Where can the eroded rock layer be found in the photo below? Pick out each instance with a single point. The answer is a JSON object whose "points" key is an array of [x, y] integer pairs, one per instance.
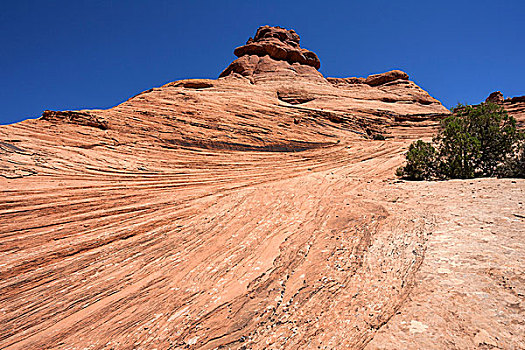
{"points": [[213, 213], [515, 106], [275, 43]]}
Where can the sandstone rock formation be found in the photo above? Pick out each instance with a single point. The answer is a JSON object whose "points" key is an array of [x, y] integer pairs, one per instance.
{"points": [[253, 211], [372, 80], [495, 97], [75, 117], [515, 106], [276, 43], [380, 79]]}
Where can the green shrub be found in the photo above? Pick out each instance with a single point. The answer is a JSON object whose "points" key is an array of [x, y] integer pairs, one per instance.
{"points": [[475, 141], [515, 165], [421, 162]]}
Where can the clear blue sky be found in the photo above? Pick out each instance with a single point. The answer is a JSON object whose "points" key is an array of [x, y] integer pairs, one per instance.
{"points": [[95, 54]]}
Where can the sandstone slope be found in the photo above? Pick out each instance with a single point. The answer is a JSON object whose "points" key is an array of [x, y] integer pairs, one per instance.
{"points": [[241, 212]]}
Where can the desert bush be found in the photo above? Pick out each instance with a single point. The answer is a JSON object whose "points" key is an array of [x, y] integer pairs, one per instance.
{"points": [[515, 165], [421, 162], [475, 141]]}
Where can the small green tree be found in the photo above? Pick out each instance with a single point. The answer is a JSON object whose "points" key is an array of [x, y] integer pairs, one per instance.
{"points": [[458, 150], [421, 162], [515, 165], [475, 141]]}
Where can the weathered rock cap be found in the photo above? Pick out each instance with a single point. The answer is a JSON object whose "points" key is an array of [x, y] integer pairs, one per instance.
{"points": [[372, 80], [383, 78], [495, 97], [498, 98], [192, 83], [280, 44], [516, 99]]}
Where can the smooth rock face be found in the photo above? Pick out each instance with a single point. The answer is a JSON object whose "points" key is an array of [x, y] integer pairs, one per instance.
{"points": [[255, 211]]}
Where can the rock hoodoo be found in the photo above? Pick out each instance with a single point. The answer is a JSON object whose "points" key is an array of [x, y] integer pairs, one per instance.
{"points": [[280, 44], [276, 43], [274, 58]]}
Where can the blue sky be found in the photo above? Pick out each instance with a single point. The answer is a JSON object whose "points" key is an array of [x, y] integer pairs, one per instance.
{"points": [[95, 54]]}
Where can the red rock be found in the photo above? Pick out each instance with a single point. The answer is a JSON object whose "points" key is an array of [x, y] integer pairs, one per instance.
{"points": [[275, 42], [251, 211], [346, 81], [517, 99], [383, 78], [515, 106], [75, 117], [194, 83], [279, 44], [244, 66], [495, 97], [294, 96]]}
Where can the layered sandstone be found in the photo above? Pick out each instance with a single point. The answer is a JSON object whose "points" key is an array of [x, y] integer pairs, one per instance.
{"points": [[276, 43], [515, 106], [250, 211]]}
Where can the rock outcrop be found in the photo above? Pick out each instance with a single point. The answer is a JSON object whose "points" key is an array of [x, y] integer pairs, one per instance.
{"points": [[495, 97], [346, 81], [274, 54], [275, 60], [515, 106], [280, 44], [75, 117], [515, 99], [372, 80], [275, 42], [383, 78]]}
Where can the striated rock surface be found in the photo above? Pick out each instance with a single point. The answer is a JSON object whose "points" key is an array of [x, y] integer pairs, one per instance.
{"points": [[75, 117], [470, 292], [372, 80], [515, 106], [254, 211], [381, 102]]}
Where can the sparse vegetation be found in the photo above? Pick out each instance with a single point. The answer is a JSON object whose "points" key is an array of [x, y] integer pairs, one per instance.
{"points": [[421, 162], [515, 165], [475, 141]]}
